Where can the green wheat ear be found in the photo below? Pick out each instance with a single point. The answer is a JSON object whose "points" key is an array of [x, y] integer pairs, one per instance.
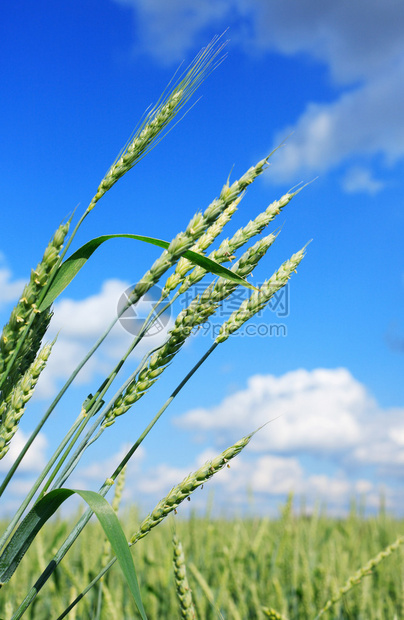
{"points": [[364, 571], [160, 116], [18, 348], [184, 489], [184, 593], [12, 409], [272, 614]]}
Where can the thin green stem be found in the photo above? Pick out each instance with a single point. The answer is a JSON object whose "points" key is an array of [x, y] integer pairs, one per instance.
{"points": [[85, 441], [102, 491], [56, 400], [89, 586], [37, 485], [53, 405], [150, 319]]}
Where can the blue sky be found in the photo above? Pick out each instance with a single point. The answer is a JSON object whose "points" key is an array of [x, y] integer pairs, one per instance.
{"points": [[76, 79]]}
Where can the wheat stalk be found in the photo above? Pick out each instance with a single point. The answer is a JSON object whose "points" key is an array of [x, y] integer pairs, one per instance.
{"points": [[360, 574], [12, 410], [26, 311], [259, 299], [184, 489], [184, 593], [159, 117]]}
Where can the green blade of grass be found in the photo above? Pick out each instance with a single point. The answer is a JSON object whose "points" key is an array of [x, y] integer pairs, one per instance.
{"points": [[44, 509], [70, 268]]}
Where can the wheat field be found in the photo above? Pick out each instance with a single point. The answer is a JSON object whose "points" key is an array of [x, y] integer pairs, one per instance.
{"points": [[236, 568]]}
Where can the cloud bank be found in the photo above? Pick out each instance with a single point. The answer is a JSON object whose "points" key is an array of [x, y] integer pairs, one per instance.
{"points": [[360, 43], [324, 413], [325, 417], [329, 441]]}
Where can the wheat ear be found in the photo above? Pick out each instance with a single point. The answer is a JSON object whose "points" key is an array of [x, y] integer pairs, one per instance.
{"points": [[183, 490], [184, 265], [362, 572], [26, 308], [184, 593], [228, 247], [160, 116], [12, 410], [260, 298]]}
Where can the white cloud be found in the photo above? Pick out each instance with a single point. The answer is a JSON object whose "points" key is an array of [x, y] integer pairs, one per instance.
{"points": [[360, 42], [276, 475], [167, 30], [10, 290], [310, 411], [359, 179], [78, 324], [364, 122], [35, 459], [355, 39], [321, 413]]}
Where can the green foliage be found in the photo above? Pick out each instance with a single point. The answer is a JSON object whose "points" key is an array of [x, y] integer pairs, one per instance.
{"points": [[292, 565], [70, 268]]}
